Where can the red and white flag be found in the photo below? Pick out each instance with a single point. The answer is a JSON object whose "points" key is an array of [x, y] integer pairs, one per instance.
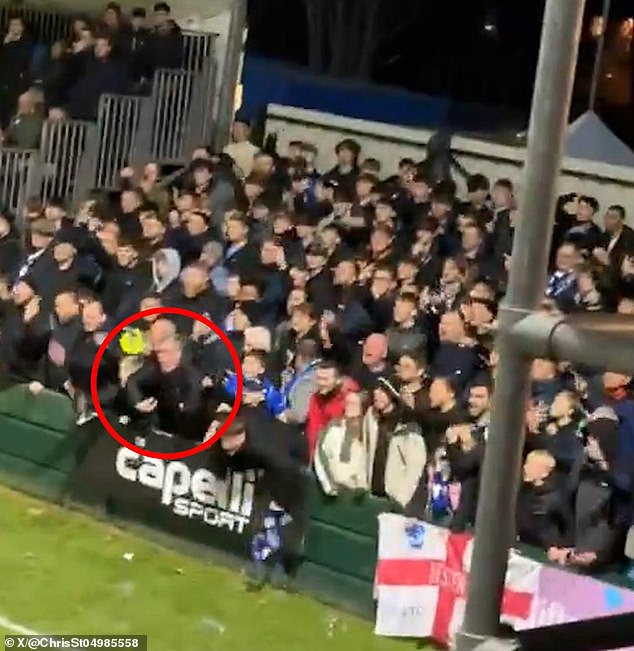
{"points": [[421, 580]]}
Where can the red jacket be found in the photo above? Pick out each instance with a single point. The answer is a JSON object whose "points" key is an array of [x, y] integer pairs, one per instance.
{"points": [[324, 409]]}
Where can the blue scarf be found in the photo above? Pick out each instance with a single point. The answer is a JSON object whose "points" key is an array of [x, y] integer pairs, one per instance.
{"points": [[439, 503], [268, 541], [560, 282]]}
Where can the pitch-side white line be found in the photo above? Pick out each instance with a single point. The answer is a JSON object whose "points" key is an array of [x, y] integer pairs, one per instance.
{"points": [[16, 628]]}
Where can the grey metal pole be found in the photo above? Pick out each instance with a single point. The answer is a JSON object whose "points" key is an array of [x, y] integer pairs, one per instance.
{"points": [[596, 70], [235, 46], [495, 523], [601, 344]]}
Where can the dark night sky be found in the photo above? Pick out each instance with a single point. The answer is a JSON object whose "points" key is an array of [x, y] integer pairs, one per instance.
{"points": [[443, 48]]}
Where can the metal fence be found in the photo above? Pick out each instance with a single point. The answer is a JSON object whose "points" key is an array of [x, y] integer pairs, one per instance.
{"points": [[45, 26], [197, 48], [75, 157], [171, 99], [66, 159], [178, 116], [117, 128], [203, 106], [18, 169]]}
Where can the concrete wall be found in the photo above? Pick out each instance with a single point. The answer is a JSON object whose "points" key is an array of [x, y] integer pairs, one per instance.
{"points": [[388, 143]]}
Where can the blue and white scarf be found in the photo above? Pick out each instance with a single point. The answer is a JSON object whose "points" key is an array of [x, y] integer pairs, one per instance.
{"points": [[560, 282], [268, 541], [439, 503]]}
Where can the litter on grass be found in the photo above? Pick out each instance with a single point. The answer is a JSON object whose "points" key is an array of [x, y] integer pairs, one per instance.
{"points": [[213, 624]]}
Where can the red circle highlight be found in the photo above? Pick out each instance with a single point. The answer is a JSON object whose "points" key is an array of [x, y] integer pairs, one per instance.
{"points": [[168, 456]]}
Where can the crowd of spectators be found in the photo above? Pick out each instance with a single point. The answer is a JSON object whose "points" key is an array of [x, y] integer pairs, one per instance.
{"points": [[362, 303], [117, 54]]}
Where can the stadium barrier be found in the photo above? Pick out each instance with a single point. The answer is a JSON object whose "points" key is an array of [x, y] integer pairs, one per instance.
{"points": [[75, 157], [181, 104], [38, 449], [68, 150], [198, 47], [50, 25], [171, 98], [117, 128], [202, 106], [43, 452], [46, 25], [63, 166], [18, 169]]}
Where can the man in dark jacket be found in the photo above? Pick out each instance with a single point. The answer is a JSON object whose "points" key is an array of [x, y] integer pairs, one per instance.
{"points": [[103, 75], [544, 514], [617, 240], [165, 41], [24, 331], [197, 294], [66, 328], [457, 356], [39, 261], [405, 335], [280, 453], [79, 361], [127, 284], [240, 255], [137, 52], [168, 392], [64, 274], [345, 173], [10, 246], [320, 288], [584, 233], [15, 61]]}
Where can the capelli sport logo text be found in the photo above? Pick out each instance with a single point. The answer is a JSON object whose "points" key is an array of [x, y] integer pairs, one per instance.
{"points": [[198, 495]]}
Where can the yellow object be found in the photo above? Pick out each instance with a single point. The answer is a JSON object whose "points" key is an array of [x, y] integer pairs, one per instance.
{"points": [[132, 342]]}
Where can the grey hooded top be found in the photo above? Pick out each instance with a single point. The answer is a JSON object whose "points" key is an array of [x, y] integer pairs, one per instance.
{"points": [[173, 269]]}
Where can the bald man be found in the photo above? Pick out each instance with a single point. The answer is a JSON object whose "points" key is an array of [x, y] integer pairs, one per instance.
{"points": [[257, 338], [160, 330], [167, 390], [373, 362]]}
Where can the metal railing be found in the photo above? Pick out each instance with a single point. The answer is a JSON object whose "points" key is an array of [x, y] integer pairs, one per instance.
{"points": [[171, 100], [203, 106], [117, 126], [197, 48], [18, 169], [46, 26], [67, 159], [178, 115], [75, 156]]}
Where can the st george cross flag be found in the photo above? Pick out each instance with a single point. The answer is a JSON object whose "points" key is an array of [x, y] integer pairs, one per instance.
{"points": [[421, 580]]}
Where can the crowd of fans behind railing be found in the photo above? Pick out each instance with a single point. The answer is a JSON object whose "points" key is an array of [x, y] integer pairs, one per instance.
{"points": [[362, 303], [117, 54]]}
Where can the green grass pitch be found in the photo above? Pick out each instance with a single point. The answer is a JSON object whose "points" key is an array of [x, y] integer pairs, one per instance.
{"points": [[62, 573]]}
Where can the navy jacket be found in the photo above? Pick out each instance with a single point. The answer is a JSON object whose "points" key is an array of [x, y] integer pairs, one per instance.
{"points": [[100, 77]]}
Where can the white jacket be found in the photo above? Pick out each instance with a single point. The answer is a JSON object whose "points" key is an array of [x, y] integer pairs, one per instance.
{"points": [[340, 460], [406, 458]]}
